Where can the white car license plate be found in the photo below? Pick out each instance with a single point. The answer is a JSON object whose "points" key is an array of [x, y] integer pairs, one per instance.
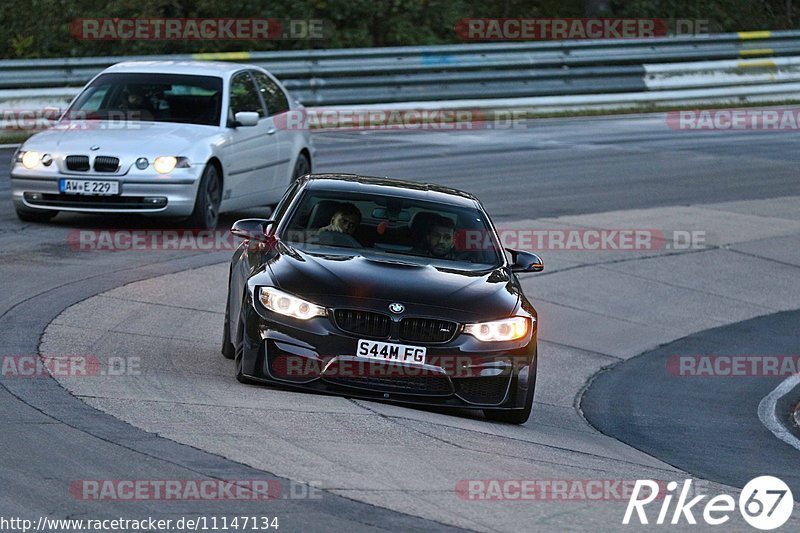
{"points": [[92, 187], [387, 351]]}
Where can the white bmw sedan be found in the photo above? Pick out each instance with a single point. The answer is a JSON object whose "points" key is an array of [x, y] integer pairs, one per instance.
{"points": [[178, 139]]}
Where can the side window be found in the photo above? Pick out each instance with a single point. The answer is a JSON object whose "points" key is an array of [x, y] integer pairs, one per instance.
{"points": [[273, 96], [244, 95]]}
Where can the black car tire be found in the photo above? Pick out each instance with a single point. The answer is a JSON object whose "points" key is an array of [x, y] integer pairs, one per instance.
{"points": [[228, 349], [239, 353], [35, 215], [518, 416], [209, 198]]}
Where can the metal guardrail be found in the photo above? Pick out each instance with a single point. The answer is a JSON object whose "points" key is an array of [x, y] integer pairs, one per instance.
{"points": [[475, 71]]}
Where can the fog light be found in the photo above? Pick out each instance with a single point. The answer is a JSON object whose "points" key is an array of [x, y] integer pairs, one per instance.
{"points": [[155, 200], [33, 196]]}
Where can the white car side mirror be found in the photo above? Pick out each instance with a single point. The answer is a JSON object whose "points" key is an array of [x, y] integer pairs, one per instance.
{"points": [[246, 118]]}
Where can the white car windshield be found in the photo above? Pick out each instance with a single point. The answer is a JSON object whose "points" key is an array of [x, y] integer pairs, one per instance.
{"points": [[150, 97]]}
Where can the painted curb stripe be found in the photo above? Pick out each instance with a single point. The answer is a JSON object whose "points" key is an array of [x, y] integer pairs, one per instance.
{"points": [[768, 417]]}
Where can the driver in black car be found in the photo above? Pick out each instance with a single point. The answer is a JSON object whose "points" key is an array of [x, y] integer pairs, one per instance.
{"points": [[345, 219], [342, 227]]}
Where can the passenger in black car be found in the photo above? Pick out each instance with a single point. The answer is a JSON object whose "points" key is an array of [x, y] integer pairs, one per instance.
{"points": [[439, 239]]}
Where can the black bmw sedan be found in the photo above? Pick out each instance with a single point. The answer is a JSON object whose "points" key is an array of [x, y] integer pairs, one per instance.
{"points": [[387, 290]]}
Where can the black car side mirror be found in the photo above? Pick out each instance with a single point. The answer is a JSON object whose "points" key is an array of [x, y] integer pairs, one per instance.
{"points": [[252, 229], [525, 261]]}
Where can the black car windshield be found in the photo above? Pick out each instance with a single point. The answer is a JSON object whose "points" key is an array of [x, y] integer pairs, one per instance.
{"points": [[132, 97], [392, 228]]}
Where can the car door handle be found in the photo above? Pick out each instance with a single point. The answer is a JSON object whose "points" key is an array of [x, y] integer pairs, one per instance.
{"points": [[271, 131]]}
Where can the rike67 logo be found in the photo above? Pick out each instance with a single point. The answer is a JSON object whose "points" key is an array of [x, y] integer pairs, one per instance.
{"points": [[765, 503]]}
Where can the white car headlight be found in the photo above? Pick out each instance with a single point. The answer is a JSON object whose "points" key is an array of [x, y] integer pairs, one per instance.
{"points": [[286, 304], [508, 329], [29, 159], [167, 163]]}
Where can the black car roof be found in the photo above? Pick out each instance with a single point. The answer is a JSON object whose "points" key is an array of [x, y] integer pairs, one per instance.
{"points": [[389, 186]]}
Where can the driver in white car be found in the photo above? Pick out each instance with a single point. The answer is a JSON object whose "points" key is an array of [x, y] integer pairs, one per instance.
{"points": [[135, 105]]}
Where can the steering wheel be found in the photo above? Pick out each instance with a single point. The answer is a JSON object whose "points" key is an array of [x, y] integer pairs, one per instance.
{"points": [[336, 238]]}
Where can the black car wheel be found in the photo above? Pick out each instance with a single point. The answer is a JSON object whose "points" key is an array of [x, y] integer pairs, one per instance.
{"points": [[35, 215], [209, 197], [239, 351], [228, 349], [518, 416]]}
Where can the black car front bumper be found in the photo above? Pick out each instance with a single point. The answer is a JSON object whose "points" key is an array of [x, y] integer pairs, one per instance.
{"points": [[317, 355]]}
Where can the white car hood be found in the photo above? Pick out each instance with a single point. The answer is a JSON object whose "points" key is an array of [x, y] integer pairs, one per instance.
{"points": [[133, 139]]}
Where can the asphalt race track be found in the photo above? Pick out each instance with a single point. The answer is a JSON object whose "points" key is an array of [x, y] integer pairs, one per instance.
{"points": [[373, 466], [677, 408]]}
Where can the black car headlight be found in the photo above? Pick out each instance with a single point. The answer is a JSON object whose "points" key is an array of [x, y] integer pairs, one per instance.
{"points": [[507, 329], [286, 304]]}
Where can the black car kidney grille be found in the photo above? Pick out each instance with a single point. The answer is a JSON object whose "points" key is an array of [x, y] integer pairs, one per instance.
{"points": [[79, 163], [427, 330], [364, 323], [104, 163]]}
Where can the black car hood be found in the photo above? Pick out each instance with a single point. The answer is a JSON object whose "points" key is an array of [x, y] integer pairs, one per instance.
{"points": [[344, 280]]}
